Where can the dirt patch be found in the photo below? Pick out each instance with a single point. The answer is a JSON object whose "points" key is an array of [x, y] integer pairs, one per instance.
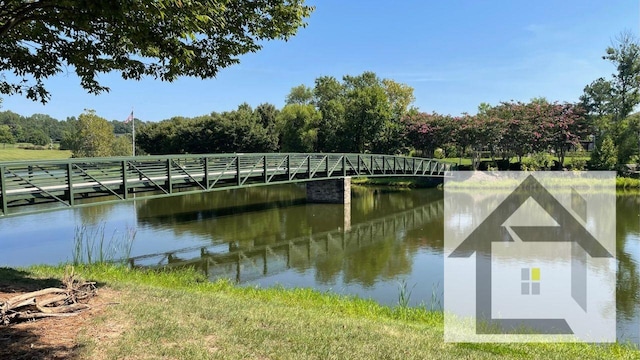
{"points": [[51, 338]]}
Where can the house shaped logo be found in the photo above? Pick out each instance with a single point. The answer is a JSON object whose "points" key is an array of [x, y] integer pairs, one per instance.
{"points": [[569, 229]]}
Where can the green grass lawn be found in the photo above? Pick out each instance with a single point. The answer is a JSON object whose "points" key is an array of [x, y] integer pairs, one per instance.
{"points": [[17, 154], [181, 315], [467, 161], [400, 182]]}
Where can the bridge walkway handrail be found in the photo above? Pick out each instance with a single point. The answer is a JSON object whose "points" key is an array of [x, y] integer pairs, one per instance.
{"points": [[68, 182]]}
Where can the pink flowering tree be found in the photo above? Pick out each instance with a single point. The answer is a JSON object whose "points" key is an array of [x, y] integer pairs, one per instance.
{"points": [[564, 127], [426, 132]]}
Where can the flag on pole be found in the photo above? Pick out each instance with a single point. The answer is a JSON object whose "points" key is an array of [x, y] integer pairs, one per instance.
{"points": [[130, 118], [133, 132]]}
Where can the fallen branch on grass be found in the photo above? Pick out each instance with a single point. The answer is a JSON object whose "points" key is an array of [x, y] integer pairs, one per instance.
{"points": [[50, 302]]}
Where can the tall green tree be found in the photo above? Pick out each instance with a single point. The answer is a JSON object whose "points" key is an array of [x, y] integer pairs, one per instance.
{"points": [[329, 98], [598, 98], [605, 156], [51, 127], [610, 102], [300, 94], [367, 110], [392, 137], [268, 113], [93, 136], [167, 136], [122, 146], [400, 97], [15, 123], [361, 113], [164, 39], [298, 124], [37, 137], [6, 137], [246, 127], [624, 53]]}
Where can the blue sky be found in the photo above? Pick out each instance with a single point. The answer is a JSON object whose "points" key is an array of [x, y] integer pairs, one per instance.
{"points": [[454, 53]]}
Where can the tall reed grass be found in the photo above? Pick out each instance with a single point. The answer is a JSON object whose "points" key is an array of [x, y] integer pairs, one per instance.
{"points": [[91, 245]]}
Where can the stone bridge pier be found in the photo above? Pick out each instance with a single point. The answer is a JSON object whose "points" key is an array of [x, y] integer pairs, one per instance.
{"points": [[333, 191]]}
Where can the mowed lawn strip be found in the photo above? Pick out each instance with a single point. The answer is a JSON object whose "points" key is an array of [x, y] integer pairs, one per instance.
{"points": [[181, 315], [16, 154]]}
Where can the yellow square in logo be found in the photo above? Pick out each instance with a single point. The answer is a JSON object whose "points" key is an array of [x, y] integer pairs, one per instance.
{"points": [[535, 274]]}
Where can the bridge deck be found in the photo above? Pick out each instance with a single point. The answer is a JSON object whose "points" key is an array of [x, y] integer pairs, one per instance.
{"points": [[27, 187]]}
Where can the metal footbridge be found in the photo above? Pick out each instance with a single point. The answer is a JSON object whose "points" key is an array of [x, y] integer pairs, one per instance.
{"points": [[36, 186]]}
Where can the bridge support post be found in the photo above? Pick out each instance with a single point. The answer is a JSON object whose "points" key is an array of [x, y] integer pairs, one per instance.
{"points": [[333, 191]]}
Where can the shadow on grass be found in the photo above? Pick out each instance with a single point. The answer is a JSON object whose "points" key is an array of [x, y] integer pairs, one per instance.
{"points": [[23, 340], [12, 280], [494, 349]]}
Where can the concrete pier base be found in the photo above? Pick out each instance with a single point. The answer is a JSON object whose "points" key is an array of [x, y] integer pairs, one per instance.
{"points": [[334, 191]]}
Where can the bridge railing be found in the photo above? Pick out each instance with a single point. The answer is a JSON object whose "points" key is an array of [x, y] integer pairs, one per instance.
{"points": [[67, 183]]}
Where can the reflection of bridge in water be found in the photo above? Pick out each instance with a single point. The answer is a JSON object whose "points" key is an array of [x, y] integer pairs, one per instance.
{"points": [[227, 260]]}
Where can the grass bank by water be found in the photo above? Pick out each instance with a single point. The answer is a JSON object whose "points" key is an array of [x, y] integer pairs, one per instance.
{"points": [[181, 315], [399, 182], [622, 183], [625, 183], [468, 161]]}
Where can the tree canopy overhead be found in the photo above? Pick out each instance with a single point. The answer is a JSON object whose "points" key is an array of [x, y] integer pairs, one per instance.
{"points": [[164, 39]]}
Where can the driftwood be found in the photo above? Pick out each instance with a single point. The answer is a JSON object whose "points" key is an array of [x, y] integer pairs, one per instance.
{"points": [[50, 302]]}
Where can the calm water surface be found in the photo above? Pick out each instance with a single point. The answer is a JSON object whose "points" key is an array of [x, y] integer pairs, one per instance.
{"points": [[269, 235]]}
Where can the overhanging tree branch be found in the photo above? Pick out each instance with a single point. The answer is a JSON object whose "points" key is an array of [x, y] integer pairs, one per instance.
{"points": [[160, 38]]}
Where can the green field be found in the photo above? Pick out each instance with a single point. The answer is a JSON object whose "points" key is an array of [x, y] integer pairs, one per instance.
{"points": [[13, 153], [171, 315], [467, 161]]}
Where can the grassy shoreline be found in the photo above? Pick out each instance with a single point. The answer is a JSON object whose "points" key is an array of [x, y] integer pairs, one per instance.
{"points": [[399, 182], [182, 315], [622, 183]]}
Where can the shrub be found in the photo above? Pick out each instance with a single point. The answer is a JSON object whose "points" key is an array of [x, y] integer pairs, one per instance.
{"points": [[537, 161], [605, 156], [577, 164]]}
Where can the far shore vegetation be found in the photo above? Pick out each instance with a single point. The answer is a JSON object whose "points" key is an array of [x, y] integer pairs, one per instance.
{"points": [[622, 183], [180, 314]]}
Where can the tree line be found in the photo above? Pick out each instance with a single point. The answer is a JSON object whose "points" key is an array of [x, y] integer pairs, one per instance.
{"points": [[43, 130], [37, 129], [366, 114], [363, 114]]}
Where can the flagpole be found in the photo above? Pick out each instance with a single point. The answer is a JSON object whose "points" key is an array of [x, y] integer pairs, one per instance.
{"points": [[133, 135]]}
